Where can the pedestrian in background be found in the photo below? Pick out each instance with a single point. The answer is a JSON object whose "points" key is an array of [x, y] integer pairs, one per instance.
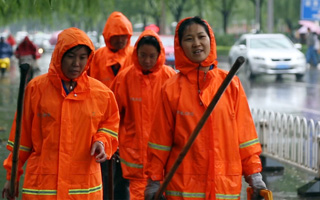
{"points": [[137, 89], [107, 62], [113, 57], [11, 40], [69, 125], [311, 53], [317, 47], [26, 52], [5, 55], [227, 146]]}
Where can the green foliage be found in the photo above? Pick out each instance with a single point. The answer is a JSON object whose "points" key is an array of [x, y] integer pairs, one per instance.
{"points": [[92, 14], [225, 39]]}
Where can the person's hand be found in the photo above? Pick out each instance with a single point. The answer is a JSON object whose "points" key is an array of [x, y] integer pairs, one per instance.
{"points": [[257, 184], [6, 191], [97, 150], [151, 190]]}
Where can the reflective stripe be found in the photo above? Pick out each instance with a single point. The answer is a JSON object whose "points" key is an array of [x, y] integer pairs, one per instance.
{"points": [[227, 196], [85, 191], [110, 132], [39, 192], [159, 147], [131, 164], [21, 147], [249, 143], [185, 194]]}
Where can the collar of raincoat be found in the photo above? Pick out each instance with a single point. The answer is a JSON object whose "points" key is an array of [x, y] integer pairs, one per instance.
{"points": [[182, 62], [67, 39], [117, 24], [162, 55]]}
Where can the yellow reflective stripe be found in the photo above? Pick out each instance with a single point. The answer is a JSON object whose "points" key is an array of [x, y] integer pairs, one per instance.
{"points": [[39, 192], [227, 196], [110, 132], [10, 143], [21, 147], [159, 147], [249, 143], [131, 164], [85, 191], [185, 194]]}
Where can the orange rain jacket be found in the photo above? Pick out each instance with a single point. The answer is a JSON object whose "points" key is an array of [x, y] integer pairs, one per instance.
{"points": [[117, 24], [227, 145], [136, 95], [58, 130]]}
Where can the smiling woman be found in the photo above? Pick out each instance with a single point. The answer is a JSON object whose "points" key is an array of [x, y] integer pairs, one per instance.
{"points": [[225, 148]]}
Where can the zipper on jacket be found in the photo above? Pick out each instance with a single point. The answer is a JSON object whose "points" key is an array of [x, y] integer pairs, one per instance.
{"points": [[199, 90]]}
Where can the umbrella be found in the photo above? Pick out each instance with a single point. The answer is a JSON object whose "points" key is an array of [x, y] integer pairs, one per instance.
{"points": [[54, 38], [309, 24], [153, 27]]}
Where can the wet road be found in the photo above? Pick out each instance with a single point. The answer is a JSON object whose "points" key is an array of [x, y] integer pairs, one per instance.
{"points": [[286, 95]]}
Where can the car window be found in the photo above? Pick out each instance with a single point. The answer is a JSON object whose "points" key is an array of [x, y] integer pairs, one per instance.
{"points": [[270, 43], [243, 42]]}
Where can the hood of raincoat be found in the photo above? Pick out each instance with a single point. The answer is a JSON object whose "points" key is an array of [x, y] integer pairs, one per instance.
{"points": [[27, 42], [67, 39], [162, 55], [182, 62], [117, 24]]}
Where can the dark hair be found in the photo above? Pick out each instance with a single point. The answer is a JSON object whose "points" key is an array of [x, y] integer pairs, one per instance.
{"points": [[188, 22], [76, 48], [149, 40]]}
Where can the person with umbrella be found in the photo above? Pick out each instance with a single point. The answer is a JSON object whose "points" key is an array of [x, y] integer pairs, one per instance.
{"points": [[311, 54]]}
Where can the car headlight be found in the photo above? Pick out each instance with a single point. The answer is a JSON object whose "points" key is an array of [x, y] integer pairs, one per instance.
{"points": [[258, 58], [301, 57]]}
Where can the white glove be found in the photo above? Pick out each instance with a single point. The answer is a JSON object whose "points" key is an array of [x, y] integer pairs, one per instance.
{"points": [[257, 184], [151, 190]]}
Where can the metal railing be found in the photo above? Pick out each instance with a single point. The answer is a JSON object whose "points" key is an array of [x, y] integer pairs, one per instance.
{"points": [[287, 138]]}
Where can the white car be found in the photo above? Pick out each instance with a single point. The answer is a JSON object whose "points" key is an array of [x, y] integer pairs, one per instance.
{"points": [[268, 54]]}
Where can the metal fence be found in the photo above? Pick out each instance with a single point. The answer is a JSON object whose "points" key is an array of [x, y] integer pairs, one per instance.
{"points": [[287, 138]]}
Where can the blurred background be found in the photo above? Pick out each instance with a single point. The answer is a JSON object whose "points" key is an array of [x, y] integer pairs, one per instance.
{"points": [[228, 18]]}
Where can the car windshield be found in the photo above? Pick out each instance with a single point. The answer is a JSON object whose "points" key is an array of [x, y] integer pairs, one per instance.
{"points": [[270, 43]]}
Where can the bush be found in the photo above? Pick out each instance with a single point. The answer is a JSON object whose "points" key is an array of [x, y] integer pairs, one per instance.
{"points": [[224, 43], [226, 39]]}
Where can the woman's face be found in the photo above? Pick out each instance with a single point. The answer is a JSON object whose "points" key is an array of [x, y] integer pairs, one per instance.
{"points": [[74, 62], [195, 43], [147, 56], [119, 41]]}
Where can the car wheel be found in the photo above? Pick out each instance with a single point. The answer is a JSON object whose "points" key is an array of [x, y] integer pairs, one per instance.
{"points": [[299, 77], [248, 71]]}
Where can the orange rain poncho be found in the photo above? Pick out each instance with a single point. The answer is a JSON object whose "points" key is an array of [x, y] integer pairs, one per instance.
{"points": [[117, 24], [136, 95], [227, 146], [58, 130]]}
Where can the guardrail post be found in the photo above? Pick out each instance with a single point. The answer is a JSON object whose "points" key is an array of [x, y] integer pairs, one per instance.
{"points": [[313, 187]]}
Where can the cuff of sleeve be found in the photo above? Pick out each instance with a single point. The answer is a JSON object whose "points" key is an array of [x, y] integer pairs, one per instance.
{"points": [[156, 177]]}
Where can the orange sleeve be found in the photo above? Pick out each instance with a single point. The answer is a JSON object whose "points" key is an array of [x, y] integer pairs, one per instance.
{"points": [[109, 127], [250, 148], [160, 140], [25, 147]]}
